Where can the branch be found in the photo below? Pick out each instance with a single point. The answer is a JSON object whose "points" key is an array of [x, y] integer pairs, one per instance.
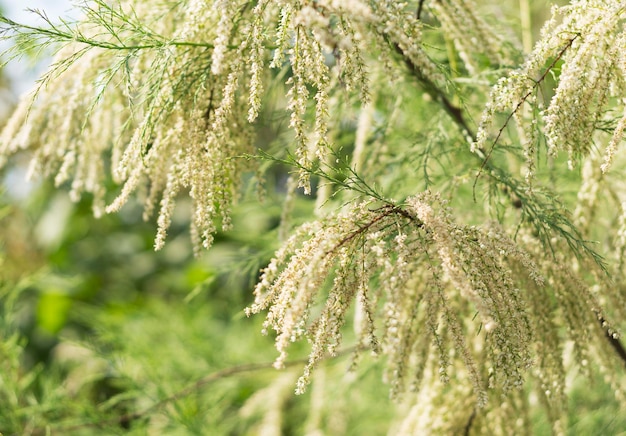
{"points": [[418, 14], [388, 209], [126, 419], [455, 113], [523, 100], [468, 427], [56, 34], [615, 343]]}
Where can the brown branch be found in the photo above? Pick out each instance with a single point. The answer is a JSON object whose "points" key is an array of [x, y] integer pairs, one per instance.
{"points": [[418, 14], [456, 113], [209, 109], [389, 209], [437, 94], [470, 421], [126, 419], [615, 343]]}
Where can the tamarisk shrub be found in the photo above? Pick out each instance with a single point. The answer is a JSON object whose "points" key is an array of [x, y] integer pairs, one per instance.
{"points": [[452, 224]]}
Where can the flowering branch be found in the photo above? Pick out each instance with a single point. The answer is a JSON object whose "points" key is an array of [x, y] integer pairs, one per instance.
{"points": [[67, 34], [171, 99], [523, 100]]}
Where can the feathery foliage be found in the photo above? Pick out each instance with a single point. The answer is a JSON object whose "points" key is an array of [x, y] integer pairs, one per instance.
{"points": [[452, 226]]}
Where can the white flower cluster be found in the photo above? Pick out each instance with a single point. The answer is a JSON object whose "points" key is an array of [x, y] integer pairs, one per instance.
{"points": [[471, 35], [166, 103], [583, 46], [411, 264], [162, 98]]}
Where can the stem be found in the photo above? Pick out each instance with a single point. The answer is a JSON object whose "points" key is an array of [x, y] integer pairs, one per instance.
{"points": [[58, 35], [420, 7], [525, 18], [615, 343], [468, 427], [389, 209], [524, 98]]}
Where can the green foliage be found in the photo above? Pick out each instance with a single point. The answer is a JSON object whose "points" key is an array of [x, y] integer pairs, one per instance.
{"points": [[131, 349]]}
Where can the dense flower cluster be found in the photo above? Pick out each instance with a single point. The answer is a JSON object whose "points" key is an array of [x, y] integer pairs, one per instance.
{"points": [[587, 37], [458, 19], [158, 103], [421, 285]]}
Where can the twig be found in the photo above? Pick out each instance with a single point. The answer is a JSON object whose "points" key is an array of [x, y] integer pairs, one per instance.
{"points": [[470, 421], [418, 14], [615, 343], [389, 209]]}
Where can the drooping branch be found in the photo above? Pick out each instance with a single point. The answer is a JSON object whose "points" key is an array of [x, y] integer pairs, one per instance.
{"points": [[456, 114]]}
